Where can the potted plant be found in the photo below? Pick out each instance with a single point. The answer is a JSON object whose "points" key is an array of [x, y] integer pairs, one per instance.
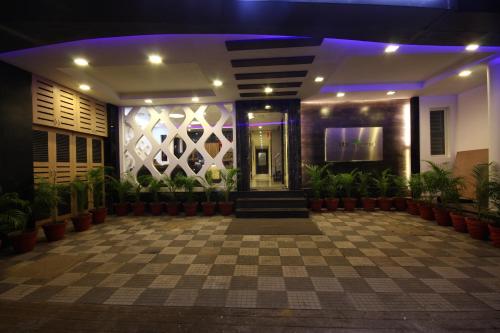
{"points": [[173, 185], [494, 227], [364, 180], [83, 219], [229, 178], [14, 217], [96, 187], [401, 190], [416, 187], [47, 199], [121, 187], [190, 206], [332, 188], [383, 183], [209, 187], [476, 226], [154, 187], [317, 181], [138, 206], [446, 185], [347, 183], [429, 190]]}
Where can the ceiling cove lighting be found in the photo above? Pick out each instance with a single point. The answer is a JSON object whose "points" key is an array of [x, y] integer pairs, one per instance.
{"points": [[148, 101], [82, 62], [217, 83], [195, 99], [268, 90], [155, 59], [340, 94], [84, 87], [465, 73], [391, 93], [319, 79], [472, 47], [391, 48]]}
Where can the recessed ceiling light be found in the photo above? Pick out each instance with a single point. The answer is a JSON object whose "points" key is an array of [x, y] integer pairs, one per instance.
{"points": [[391, 92], [340, 94], [465, 73], [365, 108], [260, 127], [472, 47], [195, 99], [391, 48], [81, 62], [268, 90], [155, 59], [319, 79], [148, 101], [267, 107], [84, 87], [176, 115], [217, 83]]}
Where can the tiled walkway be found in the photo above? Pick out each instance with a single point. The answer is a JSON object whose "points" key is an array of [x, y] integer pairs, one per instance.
{"points": [[363, 262]]}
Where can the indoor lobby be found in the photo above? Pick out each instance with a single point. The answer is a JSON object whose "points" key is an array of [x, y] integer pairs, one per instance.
{"points": [[209, 171]]}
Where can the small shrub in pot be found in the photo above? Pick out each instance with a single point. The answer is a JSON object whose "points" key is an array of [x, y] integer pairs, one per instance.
{"points": [[47, 199], [429, 194], [15, 214], [401, 192], [347, 181], [121, 187], [190, 206], [384, 183], [416, 187], [316, 175], [96, 187], [208, 184], [82, 220], [494, 226], [477, 225], [332, 189], [229, 179], [154, 186], [173, 184], [365, 179]]}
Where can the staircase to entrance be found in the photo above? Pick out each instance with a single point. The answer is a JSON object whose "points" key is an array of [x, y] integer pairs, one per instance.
{"points": [[271, 204]]}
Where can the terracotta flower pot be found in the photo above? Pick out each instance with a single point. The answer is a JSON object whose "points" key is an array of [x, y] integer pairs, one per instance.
{"points": [[369, 204], [332, 204], [426, 211], [190, 208], [82, 222], [99, 215], [458, 222], [226, 208], [208, 208], [316, 204], [121, 209], [442, 216], [385, 204], [412, 207], [349, 204], [494, 235], [54, 231], [156, 208], [173, 208], [25, 241], [139, 208], [400, 204], [477, 228]]}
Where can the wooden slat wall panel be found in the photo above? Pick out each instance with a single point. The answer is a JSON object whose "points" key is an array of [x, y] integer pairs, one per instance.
{"points": [[85, 115], [44, 109], [67, 109], [101, 121]]}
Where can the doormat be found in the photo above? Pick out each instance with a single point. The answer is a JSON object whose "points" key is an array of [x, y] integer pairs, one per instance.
{"points": [[295, 226]]}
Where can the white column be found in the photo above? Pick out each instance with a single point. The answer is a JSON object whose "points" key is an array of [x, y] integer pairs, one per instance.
{"points": [[494, 110]]}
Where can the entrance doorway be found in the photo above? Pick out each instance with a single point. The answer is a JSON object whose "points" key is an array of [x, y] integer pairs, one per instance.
{"points": [[268, 142]]}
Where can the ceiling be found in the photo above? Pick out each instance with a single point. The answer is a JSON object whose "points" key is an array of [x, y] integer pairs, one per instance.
{"points": [[120, 73]]}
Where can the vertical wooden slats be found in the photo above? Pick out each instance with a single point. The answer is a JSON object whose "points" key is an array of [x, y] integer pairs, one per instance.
{"points": [[43, 102], [101, 122]]}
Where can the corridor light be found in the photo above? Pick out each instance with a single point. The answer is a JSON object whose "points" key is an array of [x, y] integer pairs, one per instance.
{"points": [[340, 94], [82, 62], [148, 101], [155, 59], [465, 73], [391, 93], [319, 79], [472, 47], [268, 90], [195, 99], [84, 87], [217, 83], [391, 48]]}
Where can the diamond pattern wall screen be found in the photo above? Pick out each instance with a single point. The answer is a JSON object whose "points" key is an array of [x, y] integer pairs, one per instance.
{"points": [[195, 138]]}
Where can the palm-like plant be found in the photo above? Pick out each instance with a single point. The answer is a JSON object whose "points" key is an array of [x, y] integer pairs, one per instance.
{"points": [[188, 183], [430, 186], [208, 184], [229, 178], [80, 188], [347, 182], [140, 183], [384, 182], [416, 186], [364, 180], [154, 186], [121, 187], [400, 186], [482, 185], [173, 184], [96, 186], [317, 178], [332, 185], [14, 213]]}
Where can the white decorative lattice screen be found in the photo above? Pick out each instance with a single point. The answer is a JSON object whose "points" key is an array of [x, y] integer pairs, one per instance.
{"points": [[162, 140]]}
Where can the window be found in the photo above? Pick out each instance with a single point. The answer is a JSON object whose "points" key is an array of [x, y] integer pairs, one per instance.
{"points": [[438, 132]]}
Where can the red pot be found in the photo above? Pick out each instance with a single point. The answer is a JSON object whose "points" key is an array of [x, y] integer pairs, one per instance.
{"points": [[25, 241], [369, 204], [121, 209], [400, 204], [412, 207], [316, 204], [385, 204], [494, 235], [477, 229], [82, 222], [208, 208], [442, 216], [138, 208], [173, 208], [190, 208], [226, 208], [349, 204], [332, 204], [458, 222], [156, 208], [54, 231], [426, 212], [99, 215]]}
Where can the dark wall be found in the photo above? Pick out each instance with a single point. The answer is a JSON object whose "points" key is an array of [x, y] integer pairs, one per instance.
{"points": [[16, 160], [111, 143], [389, 115]]}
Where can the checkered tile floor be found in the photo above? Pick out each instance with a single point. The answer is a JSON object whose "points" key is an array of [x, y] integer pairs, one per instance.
{"points": [[364, 261]]}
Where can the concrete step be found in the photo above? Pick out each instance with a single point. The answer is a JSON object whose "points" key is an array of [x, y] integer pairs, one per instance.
{"points": [[283, 202], [271, 194], [271, 212]]}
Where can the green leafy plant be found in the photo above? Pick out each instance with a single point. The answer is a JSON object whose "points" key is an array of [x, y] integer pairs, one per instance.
{"points": [[80, 189], [121, 187], [139, 184], [173, 184], [188, 184], [96, 186], [332, 185], [154, 186], [48, 196], [14, 213], [384, 182], [347, 181], [229, 179], [400, 186], [430, 186], [495, 196], [317, 178], [208, 184], [416, 186], [364, 181], [482, 188]]}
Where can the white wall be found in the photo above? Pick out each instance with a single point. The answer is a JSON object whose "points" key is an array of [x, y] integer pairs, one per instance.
{"points": [[472, 120]]}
